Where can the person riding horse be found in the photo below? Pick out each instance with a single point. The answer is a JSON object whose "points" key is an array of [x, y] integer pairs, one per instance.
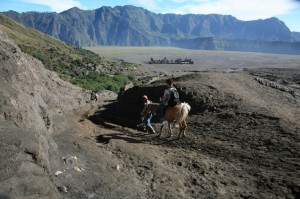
{"points": [[169, 99], [175, 111]]}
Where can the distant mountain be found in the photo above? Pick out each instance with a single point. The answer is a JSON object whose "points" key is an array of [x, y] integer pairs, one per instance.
{"points": [[134, 26], [296, 36], [213, 43]]}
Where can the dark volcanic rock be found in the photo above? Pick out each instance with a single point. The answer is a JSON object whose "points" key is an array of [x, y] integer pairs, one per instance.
{"points": [[235, 120]]}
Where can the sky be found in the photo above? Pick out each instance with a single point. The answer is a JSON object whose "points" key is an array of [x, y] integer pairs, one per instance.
{"points": [[286, 10]]}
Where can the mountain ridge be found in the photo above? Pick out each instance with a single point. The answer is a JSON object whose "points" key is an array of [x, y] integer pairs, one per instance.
{"points": [[136, 26]]}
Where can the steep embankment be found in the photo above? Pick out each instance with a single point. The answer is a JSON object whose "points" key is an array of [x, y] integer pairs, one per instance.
{"points": [[47, 147], [34, 105]]}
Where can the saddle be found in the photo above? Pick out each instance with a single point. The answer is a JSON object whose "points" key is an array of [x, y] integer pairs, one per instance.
{"points": [[164, 110]]}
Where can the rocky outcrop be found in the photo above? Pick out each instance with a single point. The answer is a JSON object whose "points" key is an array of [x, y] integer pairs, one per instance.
{"points": [[34, 103], [277, 86]]}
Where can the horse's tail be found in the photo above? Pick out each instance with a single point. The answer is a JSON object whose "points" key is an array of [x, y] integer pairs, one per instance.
{"points": [[183, 112]]}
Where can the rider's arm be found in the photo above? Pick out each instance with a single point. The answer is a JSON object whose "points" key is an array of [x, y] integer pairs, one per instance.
{"points": [[162, 99], [165, 97]]}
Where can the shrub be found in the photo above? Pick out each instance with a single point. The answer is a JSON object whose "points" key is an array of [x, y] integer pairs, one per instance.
{"points": [[96, 81]]}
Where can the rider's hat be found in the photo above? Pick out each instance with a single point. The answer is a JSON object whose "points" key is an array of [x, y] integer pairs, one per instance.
{"points": [[145, 97]]}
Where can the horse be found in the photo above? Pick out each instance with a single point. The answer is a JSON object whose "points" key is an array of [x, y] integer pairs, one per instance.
{"points": [[176, 113]]}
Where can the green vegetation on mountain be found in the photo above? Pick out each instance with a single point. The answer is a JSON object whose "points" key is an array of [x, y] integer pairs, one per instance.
{"points": [[73, 64], [98, 81]]}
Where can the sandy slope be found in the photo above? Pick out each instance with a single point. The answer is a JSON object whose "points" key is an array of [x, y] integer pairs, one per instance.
{"points": [[242, 142]]}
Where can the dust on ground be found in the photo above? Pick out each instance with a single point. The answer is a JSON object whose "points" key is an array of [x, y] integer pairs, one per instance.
{"points": [[240, 144], [242, 139]]}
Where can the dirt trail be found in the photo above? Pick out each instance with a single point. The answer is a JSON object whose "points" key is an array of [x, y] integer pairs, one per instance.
{"points": [[238, 146], [129, 164]]}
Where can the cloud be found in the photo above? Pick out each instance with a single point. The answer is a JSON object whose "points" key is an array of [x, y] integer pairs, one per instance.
{"points": [[56, 5], [145, 3], [178, 1], [242, 9]]}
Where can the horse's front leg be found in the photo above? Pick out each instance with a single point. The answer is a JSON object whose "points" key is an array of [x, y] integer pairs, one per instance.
{"points": [[170, 129], [182, 128]]}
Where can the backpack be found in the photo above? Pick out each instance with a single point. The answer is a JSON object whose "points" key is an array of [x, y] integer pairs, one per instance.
{"points": [[174, 98]]}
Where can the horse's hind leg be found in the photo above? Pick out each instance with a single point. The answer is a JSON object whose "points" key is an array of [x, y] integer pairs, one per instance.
{"points": [[161, 129], [170, 129]]}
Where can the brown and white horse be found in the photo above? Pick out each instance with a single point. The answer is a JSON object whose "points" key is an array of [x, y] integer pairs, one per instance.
{"points": [[177, 113]]}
